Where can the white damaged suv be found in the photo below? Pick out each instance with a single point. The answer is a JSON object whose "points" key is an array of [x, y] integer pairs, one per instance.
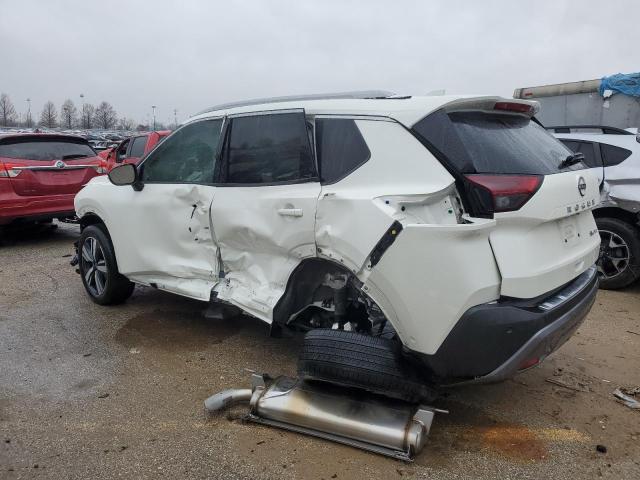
{"points": [[455, 229]]}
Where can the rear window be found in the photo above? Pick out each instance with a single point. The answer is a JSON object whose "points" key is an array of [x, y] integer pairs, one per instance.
{"points": [[613, 155], [478, 142], [340, 147], [45, 149], [585, 148]]}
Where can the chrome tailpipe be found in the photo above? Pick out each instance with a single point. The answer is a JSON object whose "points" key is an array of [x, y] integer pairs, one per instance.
{"points": [[348, 416], [227, 398]]}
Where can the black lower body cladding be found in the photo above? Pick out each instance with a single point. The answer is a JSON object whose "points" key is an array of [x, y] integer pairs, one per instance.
{"points": [[492, 341]]}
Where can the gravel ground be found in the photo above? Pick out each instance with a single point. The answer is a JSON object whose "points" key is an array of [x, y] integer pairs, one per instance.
{"points": [[96, 392]]}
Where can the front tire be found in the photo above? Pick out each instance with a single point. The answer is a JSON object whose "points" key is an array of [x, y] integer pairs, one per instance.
{"points": [[98, 268], [619, 253]]}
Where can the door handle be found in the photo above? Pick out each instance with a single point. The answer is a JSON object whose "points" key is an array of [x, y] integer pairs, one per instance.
{"points": [[290, 212]]}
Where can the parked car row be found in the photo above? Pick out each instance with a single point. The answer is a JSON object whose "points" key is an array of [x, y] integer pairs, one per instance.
{"points": [[132, 149]]}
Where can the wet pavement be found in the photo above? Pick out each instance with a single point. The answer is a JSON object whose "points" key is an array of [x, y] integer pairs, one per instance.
{"points": [[116, 392]]}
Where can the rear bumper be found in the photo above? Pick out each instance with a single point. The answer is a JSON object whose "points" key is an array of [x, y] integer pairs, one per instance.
{"points": [[493, 341], [14, 208]]}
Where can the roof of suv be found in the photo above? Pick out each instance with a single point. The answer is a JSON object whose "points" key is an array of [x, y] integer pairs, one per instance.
{"points": [[406, 110]]}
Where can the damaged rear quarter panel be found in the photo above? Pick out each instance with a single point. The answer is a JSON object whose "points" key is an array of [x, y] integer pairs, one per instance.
{"points": [[354, 213], [430, 276]]}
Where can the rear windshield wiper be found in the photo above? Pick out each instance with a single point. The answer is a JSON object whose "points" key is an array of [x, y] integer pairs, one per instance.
{"points": [[571, 160], [75, 155]]}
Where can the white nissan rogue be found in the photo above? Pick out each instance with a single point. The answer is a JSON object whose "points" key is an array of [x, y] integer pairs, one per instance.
{"points": [[455, 229]]}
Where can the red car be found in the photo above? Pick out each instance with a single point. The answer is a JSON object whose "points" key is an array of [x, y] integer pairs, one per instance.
{"points": [[40, 175], [133, 149]]}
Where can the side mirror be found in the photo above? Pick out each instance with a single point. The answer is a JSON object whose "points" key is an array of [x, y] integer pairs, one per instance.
{"points": [[123, 175]]}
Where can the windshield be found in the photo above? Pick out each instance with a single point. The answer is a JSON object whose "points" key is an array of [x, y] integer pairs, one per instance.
{"points": [[479, 142], [45, 149]]}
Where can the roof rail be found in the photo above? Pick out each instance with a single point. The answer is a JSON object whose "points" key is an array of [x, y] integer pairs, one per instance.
{"points": [[603, 128], [293, 98]]}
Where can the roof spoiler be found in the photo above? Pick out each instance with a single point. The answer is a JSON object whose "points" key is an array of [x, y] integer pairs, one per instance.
{"points": [[494, 104]]}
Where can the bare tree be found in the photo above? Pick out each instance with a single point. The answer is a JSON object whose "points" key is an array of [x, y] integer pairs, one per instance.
{"points": [[69, 114], [49, 115], [88, 113], [7, 111], [105, 116], [126, 124]]}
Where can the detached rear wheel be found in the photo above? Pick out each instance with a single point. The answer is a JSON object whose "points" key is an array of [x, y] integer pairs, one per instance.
{"points": [[98, 269], [356, 360], [619, 253]]}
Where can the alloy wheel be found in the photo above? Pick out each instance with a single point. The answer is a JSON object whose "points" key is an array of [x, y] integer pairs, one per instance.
{"points": [[94, 266], [613, 258]]}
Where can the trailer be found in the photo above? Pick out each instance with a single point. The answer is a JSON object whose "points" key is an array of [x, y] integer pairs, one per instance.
{"points": [[612, 101]]}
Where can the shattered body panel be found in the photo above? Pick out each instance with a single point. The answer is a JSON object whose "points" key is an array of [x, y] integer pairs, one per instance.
{"points": [[263, 233]]}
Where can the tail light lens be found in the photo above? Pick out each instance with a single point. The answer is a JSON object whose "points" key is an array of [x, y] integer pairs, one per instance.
{"points": [[502, 193], [6, 171]]}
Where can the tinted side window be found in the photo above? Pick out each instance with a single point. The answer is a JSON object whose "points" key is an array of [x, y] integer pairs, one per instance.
{"points": [[268, 148], [585, 148], [340, 148], [188, 156], [613, 155], [137, 148]]}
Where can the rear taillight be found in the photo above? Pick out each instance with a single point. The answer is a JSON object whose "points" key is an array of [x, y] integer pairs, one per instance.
{"points": [[6, 171], [503, 193]]}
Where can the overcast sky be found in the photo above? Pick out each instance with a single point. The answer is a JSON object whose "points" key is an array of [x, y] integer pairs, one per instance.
{"points": [[189, 55]]}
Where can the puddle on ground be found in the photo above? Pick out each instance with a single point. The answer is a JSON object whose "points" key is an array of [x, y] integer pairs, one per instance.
{"points": [[177, 330], [469, 429]]}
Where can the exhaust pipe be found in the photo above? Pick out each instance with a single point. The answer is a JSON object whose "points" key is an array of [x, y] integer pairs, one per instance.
{"points": [[347, 416]]}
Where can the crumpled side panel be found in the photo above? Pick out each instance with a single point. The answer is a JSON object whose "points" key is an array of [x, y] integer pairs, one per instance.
{"points": [[622, 186], [401, 182], [261, 242]]}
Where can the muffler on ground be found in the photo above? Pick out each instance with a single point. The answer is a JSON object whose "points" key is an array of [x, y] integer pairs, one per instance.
{"points": [[348, 416]]}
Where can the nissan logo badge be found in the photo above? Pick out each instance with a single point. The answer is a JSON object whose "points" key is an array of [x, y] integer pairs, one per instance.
{"points": [[60, 164], [582, 186]]}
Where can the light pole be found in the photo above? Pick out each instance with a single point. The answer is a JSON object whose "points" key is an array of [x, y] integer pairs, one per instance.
{"points": [[67, 116], [153, 107], [175, 118], [83, 112], [28, 113]]}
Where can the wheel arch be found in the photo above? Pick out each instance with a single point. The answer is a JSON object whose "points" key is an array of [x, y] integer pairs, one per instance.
{"points": [[617, 213], [301, 284], [91, 218]]}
